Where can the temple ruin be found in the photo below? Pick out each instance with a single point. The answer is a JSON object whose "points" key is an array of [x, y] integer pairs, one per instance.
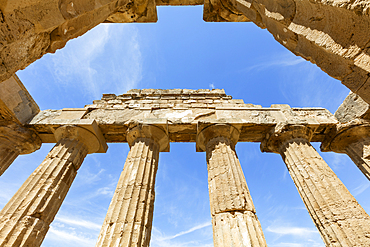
{"points": [[334, 35], [148, 120]]}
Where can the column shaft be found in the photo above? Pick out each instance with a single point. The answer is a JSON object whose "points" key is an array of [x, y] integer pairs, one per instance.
{"points": [[335, 212], [233, 214], [129, 218], [25, 219], [7, 157], [357, 152]]}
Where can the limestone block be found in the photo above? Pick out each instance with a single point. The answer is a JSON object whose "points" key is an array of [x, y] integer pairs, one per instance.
{"points": [[352, 107], [15, 101]]}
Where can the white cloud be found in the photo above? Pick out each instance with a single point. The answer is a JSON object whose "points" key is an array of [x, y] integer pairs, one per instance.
{"points": [[297, 231], [107, 59], [78, 222], [361, 188], [160, 240], [200, 226], [211, 86], [279, 61], [69, 237]]}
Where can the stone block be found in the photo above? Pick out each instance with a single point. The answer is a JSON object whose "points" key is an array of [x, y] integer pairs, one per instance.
{"points": [[237, 101], [15, 102], [108, 96], [72, 113], [147, 91], [114, 101], [352, 107], [190, 101]]}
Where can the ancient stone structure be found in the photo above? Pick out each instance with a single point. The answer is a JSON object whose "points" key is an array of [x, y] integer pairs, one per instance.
{"points": [[148, 120], [332, 34]]}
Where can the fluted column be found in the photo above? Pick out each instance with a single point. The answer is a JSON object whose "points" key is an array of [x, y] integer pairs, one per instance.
{"points": [[25, 219], [234, 218], [337, 215], [129, 218], [15, 140], [353, 139]]}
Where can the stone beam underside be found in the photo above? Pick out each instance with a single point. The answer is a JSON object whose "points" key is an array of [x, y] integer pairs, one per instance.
{"points": [[182, 121]]}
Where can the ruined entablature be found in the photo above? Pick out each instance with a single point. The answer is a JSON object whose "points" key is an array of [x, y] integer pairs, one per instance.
{"points": [[181, 112]]}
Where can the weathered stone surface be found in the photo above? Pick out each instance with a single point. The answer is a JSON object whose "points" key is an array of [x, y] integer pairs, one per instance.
{"points": [[222, 11], [32, 28], [318, 32], [331, 34], [15, 140], [233, 214], [16, 104], [181, 115], [25, 219], [352, 107], [335, 212], [148, 120], [353, 139], [130, 214]]}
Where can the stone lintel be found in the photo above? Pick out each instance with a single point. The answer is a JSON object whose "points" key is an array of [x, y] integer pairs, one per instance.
{"points": [[181, 124], [72, 113], [345, 134], [283, 133], [158, 134], [222, 11], [16, 103], [135, 11], [208, 131], [88, 126]]}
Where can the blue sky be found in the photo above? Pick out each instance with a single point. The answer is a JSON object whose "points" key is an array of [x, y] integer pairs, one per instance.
{"points": [[181, 51]]}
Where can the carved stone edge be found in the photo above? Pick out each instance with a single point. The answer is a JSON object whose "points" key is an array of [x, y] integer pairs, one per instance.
{"points": [[208, 131], [343, 135], [283, 133], [89, 134], [142, 130]]}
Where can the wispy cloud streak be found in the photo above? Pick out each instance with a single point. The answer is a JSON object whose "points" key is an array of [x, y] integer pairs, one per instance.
{"points": [[106, 59], [187, 231], [361, 188], [281, 61], [298, 231], [78, 222]]}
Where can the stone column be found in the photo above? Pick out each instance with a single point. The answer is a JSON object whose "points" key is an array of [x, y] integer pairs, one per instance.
{"points": [[129, 218], [234, 217], [15, 140], [25, 219], [352, 139], [337, 215]]}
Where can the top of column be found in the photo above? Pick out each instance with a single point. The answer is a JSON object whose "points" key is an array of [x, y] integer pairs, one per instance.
{"points": [[149, 131], [209, 132], [282, 134], [89, 135]]}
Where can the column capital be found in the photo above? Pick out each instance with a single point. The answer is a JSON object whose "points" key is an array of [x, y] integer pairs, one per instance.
{"points": [[13, 135], [149, 131], [91, 138], [345, 134], [209, 132], [283, 133]]}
